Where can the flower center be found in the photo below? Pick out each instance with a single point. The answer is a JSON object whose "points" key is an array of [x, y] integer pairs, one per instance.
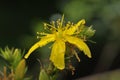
{"points": [[59, 34]]}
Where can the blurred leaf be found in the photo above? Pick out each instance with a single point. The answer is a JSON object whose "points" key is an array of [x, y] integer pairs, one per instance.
{"points": [[77, 9], [12, 56], [43, 75], [20, 70]]}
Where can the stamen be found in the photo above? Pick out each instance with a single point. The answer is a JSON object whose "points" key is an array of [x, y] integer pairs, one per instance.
{"points": [[68, 25], [76, 55], [53, 23], [45, 26], [72, 24], [50, 26], [61, 23], [84, 38], [58, 23], [38, 37], [38, 33], [69, 22], [42, 33]]}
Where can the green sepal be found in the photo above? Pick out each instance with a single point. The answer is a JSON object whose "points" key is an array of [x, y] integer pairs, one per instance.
{"points": [[87, 32]]}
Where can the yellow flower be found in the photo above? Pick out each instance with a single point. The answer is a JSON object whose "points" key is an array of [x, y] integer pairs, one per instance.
{"points": [[60, 34]]}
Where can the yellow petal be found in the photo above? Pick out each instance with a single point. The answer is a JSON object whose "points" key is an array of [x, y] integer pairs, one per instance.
{"points": [[72, 29], [57, 54], [46, 39], [80, 44]]}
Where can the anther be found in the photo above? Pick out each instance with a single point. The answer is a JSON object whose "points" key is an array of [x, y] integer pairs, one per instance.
{"points": [[38, 32], [68, 22], [44, 24], [38, 37], [53, 23]]}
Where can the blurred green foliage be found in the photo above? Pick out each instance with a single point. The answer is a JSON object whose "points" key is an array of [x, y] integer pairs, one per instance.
{"points": [[12, 56], [102, 14], [12, 66]]}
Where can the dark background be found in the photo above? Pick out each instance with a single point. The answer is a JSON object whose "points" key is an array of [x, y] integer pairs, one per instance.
{"points": [[16, 17]]}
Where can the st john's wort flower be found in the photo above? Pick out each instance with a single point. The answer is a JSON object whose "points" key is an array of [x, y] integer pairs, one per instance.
{"points": [[61, 34]]}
